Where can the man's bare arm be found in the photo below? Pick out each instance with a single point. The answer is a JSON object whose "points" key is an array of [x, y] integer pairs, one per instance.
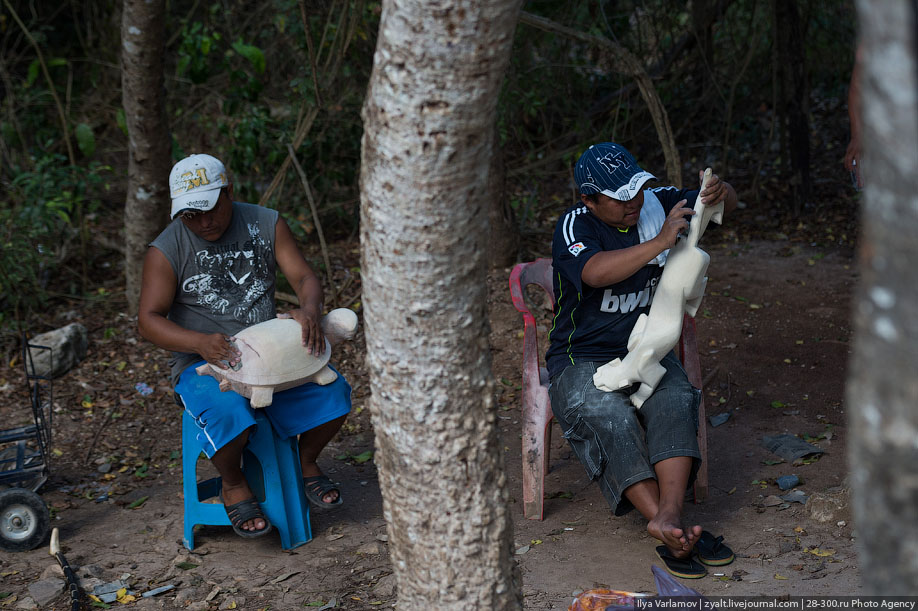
{"points": [[156, 296], [612, 266], [305, 284]]}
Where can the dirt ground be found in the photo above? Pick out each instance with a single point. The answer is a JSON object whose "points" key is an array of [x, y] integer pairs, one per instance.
{"points": [[774, 342]]}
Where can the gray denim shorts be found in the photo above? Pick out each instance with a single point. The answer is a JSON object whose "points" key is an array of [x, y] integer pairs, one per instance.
{"points": [[617, 443]]}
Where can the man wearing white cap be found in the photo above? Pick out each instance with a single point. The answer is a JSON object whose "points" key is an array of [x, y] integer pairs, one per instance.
{"points": [[608, 253], [208, 275]]}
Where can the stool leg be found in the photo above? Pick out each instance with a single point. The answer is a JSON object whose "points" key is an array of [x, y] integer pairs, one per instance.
{"points": [[189, 479], [296, 506], [194, 492], [272, 470], [284, 501]]}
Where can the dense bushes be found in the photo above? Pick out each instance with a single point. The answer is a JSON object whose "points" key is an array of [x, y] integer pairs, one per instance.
{"points": [[245, 79]]}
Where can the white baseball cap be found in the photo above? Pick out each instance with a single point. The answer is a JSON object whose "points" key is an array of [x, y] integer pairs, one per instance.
{"points": [[195, 183]]}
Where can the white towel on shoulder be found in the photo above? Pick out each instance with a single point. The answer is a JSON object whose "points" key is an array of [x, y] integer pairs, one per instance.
{"points": [[651, 222]]}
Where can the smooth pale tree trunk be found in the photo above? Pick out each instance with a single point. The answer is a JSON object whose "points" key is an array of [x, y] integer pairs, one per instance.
{"points": [[883, 385], [143, 96], [427, 144]]}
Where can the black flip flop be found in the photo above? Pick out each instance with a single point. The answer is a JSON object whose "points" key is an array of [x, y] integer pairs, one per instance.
{"points": [[686, 568], [243, 511], [712, 551], [316, 487]]}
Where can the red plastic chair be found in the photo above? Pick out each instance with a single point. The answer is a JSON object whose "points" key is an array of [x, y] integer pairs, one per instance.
{"points": [[537, 415]]}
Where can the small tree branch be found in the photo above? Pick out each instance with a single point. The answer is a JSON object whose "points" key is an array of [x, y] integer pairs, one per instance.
{"points": [[286, 297], [336, 52], [47, 75], [312, 53], [315, 219], [301, 131], [753, 35], [624, 62]]}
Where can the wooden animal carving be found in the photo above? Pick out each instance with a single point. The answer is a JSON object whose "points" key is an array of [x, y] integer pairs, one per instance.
{"points": [[274, 359], [680, 289]]}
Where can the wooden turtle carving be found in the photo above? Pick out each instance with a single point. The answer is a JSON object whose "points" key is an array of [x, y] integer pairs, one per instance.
{"points": [[274, 359]]}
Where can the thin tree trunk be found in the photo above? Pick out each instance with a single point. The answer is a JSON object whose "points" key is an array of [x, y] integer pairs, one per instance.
{"points": [[794, 99], [702, 24], [882, 387], [427, 146], [504, 234], [147, 207]]}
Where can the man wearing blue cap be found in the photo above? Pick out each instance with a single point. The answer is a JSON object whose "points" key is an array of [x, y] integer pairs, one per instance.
{"points": [[608, 253]]}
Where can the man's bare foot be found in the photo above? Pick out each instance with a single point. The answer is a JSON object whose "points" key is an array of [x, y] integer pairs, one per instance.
{"points": [[667, 527], [691, 534], [236, 494]]}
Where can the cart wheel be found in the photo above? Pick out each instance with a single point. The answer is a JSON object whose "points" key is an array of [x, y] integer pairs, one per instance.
{"points": [[24, 520]]}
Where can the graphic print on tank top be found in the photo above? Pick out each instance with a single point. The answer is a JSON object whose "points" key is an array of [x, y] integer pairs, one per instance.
{"points": [[232, 281]]}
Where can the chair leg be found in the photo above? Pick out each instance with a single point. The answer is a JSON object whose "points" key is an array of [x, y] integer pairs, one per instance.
{"points": [[701, 480], [688, 349], [535, 461]]}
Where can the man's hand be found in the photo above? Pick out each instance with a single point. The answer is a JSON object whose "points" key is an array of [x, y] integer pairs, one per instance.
{"points": [[715, 191], [218, 349], [677, 222], [313, 338], [853, 161], [853, 154]]}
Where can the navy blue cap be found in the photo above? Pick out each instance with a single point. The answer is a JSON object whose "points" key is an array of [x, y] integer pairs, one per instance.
{"points": [[609, 168]]}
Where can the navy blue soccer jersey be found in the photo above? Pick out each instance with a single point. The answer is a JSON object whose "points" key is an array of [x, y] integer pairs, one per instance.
{"points": [[593, 324]]}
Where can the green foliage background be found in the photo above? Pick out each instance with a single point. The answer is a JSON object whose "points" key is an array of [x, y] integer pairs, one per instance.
{"points": [[242, 76]]}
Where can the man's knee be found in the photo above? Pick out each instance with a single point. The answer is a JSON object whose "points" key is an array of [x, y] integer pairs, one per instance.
{"points": [[237, 443], [685, 403]]}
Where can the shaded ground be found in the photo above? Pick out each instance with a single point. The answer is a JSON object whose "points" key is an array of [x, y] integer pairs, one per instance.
{"points": [[774, 342]]}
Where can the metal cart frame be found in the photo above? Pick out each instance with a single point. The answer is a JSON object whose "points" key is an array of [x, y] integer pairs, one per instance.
{"points": [[24, 463]]}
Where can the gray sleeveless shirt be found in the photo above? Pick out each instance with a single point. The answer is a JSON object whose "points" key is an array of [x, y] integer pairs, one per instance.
{"points": [[222, 286]]}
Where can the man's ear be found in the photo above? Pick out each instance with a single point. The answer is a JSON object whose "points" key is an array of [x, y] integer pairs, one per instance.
{"points": [[229, 191], [587, 202]]}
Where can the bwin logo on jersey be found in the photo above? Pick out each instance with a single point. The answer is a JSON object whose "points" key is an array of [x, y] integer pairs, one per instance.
{"points": [[628, 302], [576, 248]]}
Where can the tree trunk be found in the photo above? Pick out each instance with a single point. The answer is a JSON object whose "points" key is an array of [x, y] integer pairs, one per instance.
{"points": [[504, 234], [882, 387], [149, 159], [794, 105], [427, 144], [703, 26]]}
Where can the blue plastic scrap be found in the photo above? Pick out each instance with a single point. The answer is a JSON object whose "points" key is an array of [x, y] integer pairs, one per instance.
{"points": [[786, 482]]}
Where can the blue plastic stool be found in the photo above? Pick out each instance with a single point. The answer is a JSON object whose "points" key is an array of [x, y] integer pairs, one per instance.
{"points": [[272, 469]]}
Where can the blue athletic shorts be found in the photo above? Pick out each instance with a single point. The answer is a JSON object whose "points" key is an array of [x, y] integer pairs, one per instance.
{"points": [[223, 416]]}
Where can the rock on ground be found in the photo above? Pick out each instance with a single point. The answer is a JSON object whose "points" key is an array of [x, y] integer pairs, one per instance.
{"points": [[44, 591], [68, 347]]}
